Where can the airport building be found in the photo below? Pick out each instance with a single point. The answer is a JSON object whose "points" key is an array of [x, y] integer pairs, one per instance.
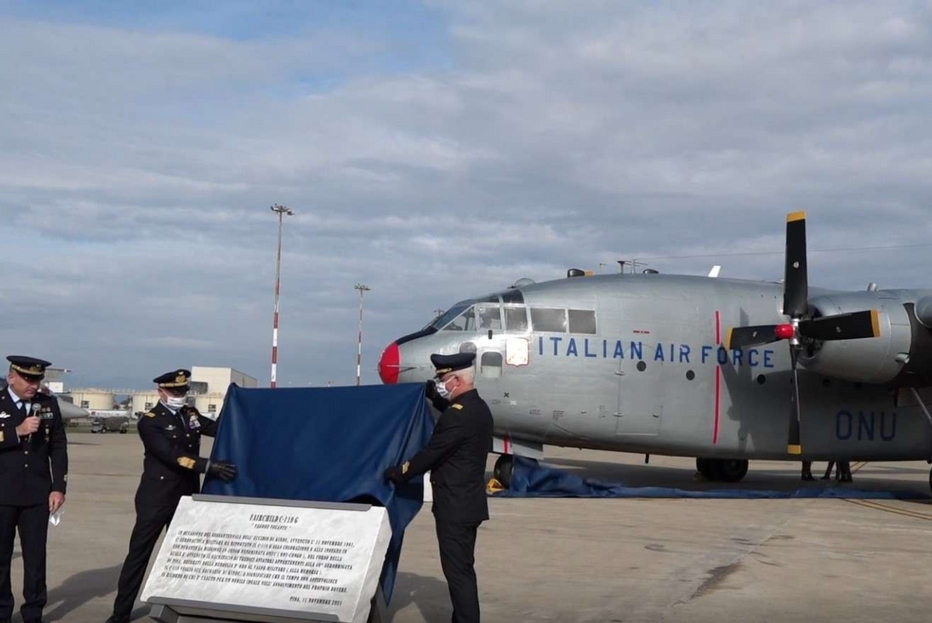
{"points": [[208, 388]]}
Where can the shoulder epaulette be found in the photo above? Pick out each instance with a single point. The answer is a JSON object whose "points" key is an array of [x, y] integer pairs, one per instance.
{"points": [[456, 406], [150, 414]]}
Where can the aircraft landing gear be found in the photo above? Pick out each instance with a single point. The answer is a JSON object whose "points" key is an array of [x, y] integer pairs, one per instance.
{"points": [[723, 470], [504, 469]]}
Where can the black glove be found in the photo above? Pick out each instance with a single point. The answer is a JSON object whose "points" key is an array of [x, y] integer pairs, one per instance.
{"points": [[221, 470], [430, 390], [393, 474]]}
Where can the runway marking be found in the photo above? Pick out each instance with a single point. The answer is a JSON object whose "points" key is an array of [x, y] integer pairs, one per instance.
{"points": [[891, 509], [885, 507]]}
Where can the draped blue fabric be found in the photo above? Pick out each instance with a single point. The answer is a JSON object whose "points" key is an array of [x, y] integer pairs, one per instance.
{"points": [[326, 444], [537, 480]]}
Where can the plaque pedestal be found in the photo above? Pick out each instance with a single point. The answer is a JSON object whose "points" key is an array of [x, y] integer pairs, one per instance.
{"points": [[229, 559], [168, 614]]}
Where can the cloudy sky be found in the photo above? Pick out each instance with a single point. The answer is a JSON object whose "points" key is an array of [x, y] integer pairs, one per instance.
{"points": [[432, 151]]}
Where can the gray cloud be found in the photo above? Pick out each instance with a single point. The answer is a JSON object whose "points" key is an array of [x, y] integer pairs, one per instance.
{"points": [[136, 170]]}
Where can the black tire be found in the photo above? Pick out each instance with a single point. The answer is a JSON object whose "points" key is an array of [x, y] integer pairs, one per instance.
{"points": [[732, 470], [704, 467], [504, 469]]}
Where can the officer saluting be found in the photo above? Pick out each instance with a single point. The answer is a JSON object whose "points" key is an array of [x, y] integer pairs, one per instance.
{"points": [[33, 473], [171, 434], [456, 456]]}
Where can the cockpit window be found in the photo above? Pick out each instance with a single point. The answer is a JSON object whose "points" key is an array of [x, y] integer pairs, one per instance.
{"points": [[466, 321], [445, 318], [490, 316], [516, 319]]}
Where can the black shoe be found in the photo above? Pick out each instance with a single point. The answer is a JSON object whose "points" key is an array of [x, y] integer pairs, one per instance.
{"points": [[39, 620], [116, 619]]}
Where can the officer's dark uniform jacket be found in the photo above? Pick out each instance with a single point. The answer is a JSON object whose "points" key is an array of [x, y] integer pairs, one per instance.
{"points": [[33, 466], [456, 456], [171, 466]]}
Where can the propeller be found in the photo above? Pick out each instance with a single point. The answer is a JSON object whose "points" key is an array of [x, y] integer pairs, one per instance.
{"points": [[802, 328]]}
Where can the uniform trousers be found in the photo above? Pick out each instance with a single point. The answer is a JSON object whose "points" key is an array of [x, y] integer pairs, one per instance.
{"points": [[33, 524], [457, 558], [150, 521]]}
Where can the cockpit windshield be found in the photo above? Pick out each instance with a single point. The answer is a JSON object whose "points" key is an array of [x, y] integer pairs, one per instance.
{"points": [[498, 312], [444, 319]]}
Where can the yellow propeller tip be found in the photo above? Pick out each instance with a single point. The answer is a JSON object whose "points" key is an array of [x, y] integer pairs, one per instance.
{"points": [[794, 449]]}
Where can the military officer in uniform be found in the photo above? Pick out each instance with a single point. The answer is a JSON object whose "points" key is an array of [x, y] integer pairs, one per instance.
{"points": [[171, 434], [33, 475], [456, 456]]}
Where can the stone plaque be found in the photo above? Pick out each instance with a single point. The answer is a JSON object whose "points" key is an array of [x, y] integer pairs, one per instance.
{"points": [[282, 558]]}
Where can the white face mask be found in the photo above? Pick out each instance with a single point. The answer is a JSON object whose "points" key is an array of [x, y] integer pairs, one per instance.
{"points": [[175, 402], [442, 390]]}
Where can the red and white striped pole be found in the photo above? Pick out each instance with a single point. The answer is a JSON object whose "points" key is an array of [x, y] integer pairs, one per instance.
{"points": [[362, 288], [281, 210]]}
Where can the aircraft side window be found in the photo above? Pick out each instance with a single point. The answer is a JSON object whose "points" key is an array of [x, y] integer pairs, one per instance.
{"points": [[516, 319], [582, 321], [491, 364], [464, 322], [549, 320], [490, 317]]}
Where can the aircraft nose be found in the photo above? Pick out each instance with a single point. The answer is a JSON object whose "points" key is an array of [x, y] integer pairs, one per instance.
{"points": [[390, 364]]}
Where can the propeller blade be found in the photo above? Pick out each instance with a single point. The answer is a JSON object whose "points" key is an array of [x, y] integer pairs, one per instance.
{"points": [[739, 337], [793, 444], [796, 276], [853, 326]]}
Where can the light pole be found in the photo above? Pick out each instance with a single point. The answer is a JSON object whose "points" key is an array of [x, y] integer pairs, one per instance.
{"points": [[281, 211], [362, 288]]}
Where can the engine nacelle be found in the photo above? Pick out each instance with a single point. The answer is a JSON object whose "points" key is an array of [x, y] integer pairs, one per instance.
{"points": [[901, 348], [924, 311]]}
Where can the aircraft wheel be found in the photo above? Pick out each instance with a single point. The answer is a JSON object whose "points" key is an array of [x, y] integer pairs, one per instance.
{"points": [[704, 467], [732, 470], [504, 469]]}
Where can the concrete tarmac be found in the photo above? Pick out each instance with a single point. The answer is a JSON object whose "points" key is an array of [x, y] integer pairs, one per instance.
{"points": [[592, 560]]}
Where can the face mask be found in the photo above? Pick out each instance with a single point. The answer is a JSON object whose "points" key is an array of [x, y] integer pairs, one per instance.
{"points": [[175, 402], [442, 390]]}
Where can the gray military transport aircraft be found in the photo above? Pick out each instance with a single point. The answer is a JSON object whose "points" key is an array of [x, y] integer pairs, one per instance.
{"points": [[693, 366], [68, 409]]}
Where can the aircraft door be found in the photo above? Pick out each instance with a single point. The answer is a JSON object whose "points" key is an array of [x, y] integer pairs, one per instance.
{"points": [[640, 387]]}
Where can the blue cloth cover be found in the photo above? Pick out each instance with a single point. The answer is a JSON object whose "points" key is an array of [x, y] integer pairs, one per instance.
{"points": [[535, 480], [327, 445]]}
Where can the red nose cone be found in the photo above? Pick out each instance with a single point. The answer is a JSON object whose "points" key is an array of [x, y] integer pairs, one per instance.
{"points": [[785, 331], [390, 364]]}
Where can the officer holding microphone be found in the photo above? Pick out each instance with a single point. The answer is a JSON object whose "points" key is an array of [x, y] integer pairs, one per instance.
{"points": [[33, 477]]}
